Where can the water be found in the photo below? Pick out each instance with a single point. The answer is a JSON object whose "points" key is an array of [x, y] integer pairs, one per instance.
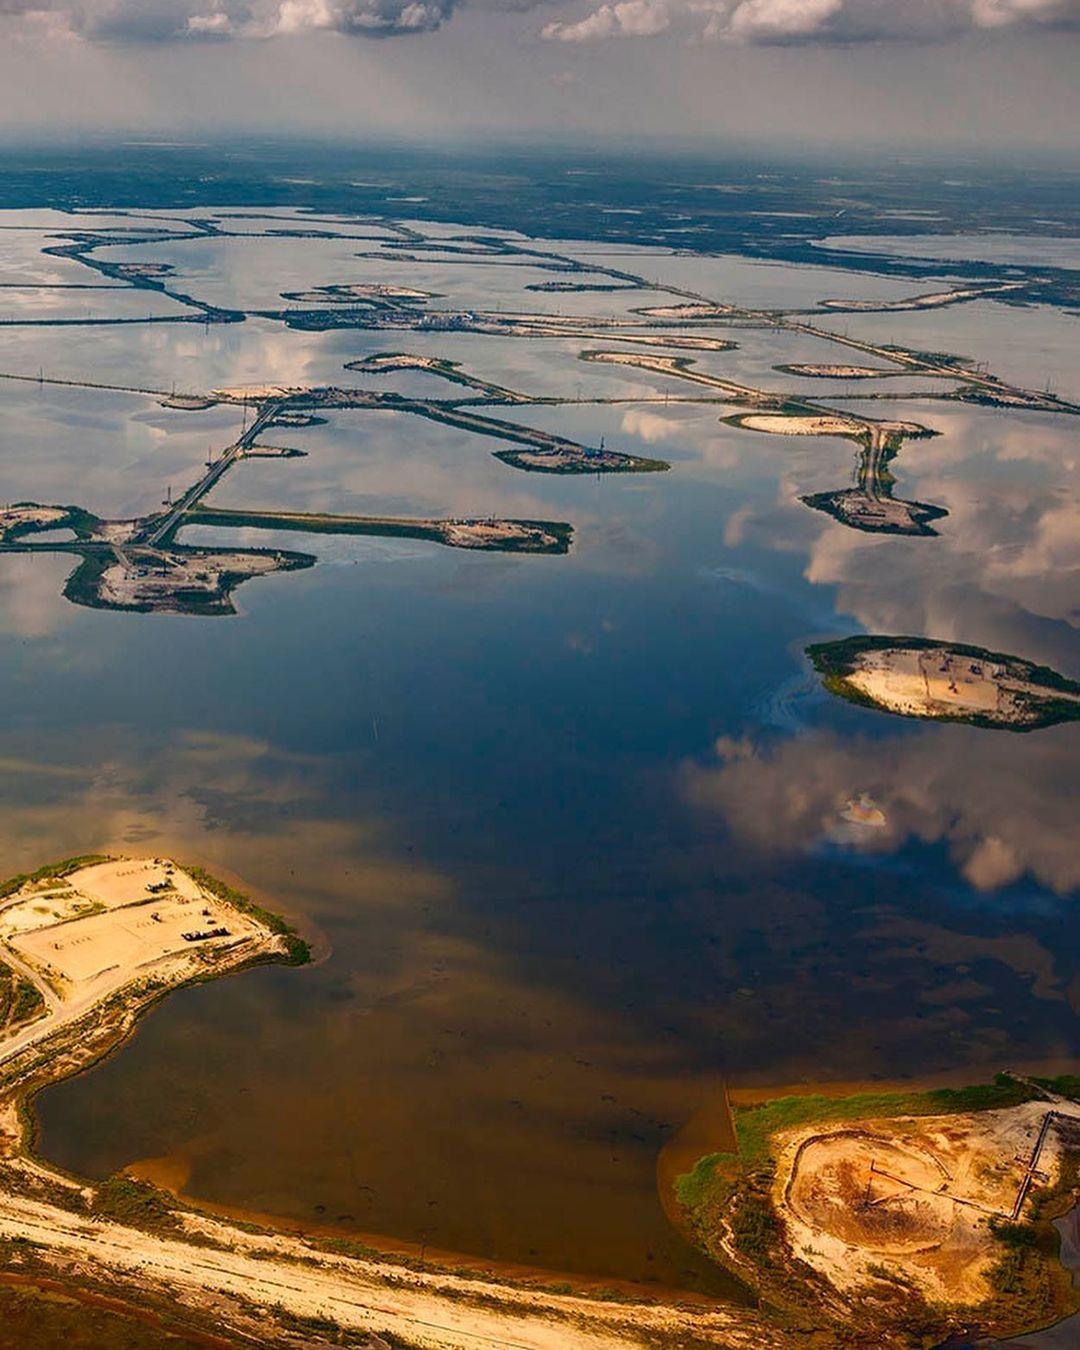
{"points": [[995, 246], [568, 831]]}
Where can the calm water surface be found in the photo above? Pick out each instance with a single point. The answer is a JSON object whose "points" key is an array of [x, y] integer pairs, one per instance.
{"points": [[569, 830]]}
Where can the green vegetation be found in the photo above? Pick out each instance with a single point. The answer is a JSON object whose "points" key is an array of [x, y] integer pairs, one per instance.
{"points": [[977, 393], [867, 373], [298, 951], [1014, 1234], [583, 462], [704, 1184], [595, 287], [1065, 1085], [730, 1193], [1030, 1284], [754, 1227], [41, 1317], [137, 1203], [723, 1190], [385, 362], [27, 1003], [755, 1125], [920, 513], [780, 408], [930, 358], [75, 518], [56, 869], [1006, 1276], [678, 367], [713, 1178], [20, 1000], [835, 661], [350, 1247], [882, 1272], [83, 586], [839, 657], [433, 530], [539, 442]]}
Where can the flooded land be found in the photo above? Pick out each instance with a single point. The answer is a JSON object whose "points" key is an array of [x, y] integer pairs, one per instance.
{"points": [[600, 651]]}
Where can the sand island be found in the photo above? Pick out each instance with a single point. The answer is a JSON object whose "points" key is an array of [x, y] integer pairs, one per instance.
{"points": [[946, 681]]}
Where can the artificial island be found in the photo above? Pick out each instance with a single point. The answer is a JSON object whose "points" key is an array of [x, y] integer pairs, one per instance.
{"points": [[904, 1216], [144, 565], [946, 682]]}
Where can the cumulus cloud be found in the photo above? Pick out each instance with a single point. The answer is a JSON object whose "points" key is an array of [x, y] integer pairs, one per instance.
{"points": [[781, 18], [217, 23], [736, 21], [168, 20], [793, 22], [630, 18]]}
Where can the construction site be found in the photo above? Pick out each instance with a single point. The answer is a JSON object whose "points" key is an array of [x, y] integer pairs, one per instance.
{"points": [[920, 1196], [917, 677], [84, 936]]}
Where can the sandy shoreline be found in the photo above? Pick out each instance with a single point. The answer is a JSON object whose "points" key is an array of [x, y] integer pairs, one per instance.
{"points": [[170, 1174], [102, 939]]}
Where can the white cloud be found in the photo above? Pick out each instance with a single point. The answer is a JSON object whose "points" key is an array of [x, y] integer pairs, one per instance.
{"points": [[168, 20], [1001, 805], [1001, 13], [804, 21], [770, 18], [630, 18], [736, 21], [216, 24]]}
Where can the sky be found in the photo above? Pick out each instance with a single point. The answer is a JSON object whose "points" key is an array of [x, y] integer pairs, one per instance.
{"points": [[982, 75]]}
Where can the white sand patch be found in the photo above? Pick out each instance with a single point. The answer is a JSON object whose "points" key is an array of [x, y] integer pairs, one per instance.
{"points": [[85, 937], [943, 683], [29, 518], [780, 425], [254, 393]]}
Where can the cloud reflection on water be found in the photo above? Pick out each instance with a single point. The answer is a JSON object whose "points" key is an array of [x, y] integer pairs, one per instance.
{"points": [[1000, 803]]}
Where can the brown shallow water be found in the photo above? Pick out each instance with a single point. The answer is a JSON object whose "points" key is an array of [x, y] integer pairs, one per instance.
{"points": [[709, 1130], [456, 1110], [461, 1086], [529, 1154], [172, 1174]]}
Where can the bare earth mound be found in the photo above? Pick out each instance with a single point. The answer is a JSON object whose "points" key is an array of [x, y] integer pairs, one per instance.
{"points": [[871, 1192], [917, 1196]]}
